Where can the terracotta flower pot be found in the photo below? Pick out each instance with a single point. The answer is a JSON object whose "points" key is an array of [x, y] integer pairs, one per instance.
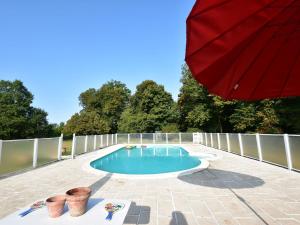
{"points": [[77, 199], [56, 205]]}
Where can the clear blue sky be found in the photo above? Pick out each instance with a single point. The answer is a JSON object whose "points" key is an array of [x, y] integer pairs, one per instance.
{"points": [[60, 48]]}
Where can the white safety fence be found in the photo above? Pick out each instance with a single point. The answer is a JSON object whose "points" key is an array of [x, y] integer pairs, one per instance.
{"points": [[157, 138], [22, 154], [279, 149], [88, 143]]}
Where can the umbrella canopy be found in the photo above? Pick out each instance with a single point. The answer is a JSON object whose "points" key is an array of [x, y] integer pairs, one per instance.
{"points": [[245, 49]]}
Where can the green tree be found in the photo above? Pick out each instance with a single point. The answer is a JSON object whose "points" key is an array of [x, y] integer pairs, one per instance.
{"points": [[200, 110], [151, 108], [86, 123], [193, 102], [109, 101], [18, 119]]}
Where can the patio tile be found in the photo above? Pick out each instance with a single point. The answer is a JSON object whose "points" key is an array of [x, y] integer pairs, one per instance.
{"points": [[165, 208], [200, 209], [215, 206], [288, 222], [225, 219], [250, 221], [162, 220], [206, 221]]}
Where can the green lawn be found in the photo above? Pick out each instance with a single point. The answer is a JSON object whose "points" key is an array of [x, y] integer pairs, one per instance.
{"points": [[67, 147]]}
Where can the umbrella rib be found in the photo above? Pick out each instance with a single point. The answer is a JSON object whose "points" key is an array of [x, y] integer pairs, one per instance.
{"points": [[254, 59], [230, 29]]}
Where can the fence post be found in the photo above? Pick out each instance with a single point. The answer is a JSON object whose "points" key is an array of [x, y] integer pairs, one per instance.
{"points": [[1, 142], [228, 142], [179, 138], [35, 152], [128, 138], [259, 147], [153, 138], [205, 138], [167, 141], [141, 138], [73, 146], [241, 144], [288, 151], [112, 139], [101, 141], [60, 143], [107, 141], [95, 142], [211, 140], [85, 143], [219, 141], [116, 138]]}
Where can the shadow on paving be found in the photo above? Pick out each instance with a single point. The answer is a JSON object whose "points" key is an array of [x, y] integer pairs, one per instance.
{"points": [[178, 219], [222, 179], [141, 211], [99, 183], [226, 180]]}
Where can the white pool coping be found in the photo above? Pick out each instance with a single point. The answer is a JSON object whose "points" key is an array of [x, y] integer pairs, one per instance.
{"points": [[104, 152]]}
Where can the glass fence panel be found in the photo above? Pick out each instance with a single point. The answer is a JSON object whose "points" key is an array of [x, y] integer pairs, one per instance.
{"points": [[47, 150], [16, 155], [250, 145], [122, 138], [273, 149], [173, 138], [215, 140], [223, 142], [90, 143], [186, 138], [234, 143], [160, 138], [208, 139], [98, 141], [80, 142], [110, 140], [295, 150], [135, 139], [147, 138], [202, 138], [105, 140]]}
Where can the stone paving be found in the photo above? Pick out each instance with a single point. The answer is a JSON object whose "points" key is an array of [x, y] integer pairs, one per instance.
{"points": [[234, 191]]}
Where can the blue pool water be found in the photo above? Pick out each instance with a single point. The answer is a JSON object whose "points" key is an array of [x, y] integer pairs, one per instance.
{"points": [[147, 160]]}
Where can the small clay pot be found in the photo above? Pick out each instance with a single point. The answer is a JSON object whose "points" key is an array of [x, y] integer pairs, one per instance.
{"points": [[77, 199], [56, 205]]}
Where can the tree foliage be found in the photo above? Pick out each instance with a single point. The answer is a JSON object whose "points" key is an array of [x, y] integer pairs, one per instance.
{"points": [[86, 123], [150, 108], [102, 109], [209, 113], [18, 119]]}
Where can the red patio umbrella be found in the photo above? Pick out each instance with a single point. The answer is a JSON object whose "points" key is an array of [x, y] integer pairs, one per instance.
{"points": [[245, 49]]}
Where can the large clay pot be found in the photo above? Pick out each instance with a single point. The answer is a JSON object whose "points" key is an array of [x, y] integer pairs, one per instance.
{"points": [[77, 199], [56, 205]]}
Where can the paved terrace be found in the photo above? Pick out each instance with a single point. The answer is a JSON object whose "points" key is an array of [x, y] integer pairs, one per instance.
{"points": [[234, 190]]}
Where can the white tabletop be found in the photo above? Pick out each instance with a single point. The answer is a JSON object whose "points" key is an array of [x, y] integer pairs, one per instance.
{"points": [[95, 215]]}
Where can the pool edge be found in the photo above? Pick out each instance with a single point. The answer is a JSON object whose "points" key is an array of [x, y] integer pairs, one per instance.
{"points": [[86, 167]]}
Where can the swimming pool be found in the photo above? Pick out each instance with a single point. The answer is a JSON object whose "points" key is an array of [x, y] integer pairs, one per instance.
{"points": [[151, 159]]}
